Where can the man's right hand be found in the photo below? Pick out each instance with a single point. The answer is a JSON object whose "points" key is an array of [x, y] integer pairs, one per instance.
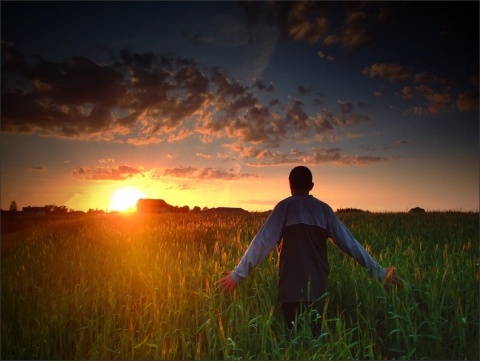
{"points": [[393, 280]]}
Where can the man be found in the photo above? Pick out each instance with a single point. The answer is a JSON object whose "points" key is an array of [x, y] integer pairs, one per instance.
{"points": [[301, 225]]}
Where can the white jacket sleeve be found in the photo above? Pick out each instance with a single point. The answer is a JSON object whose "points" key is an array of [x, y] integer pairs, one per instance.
{"points": [[261, 245], [345, 241]]}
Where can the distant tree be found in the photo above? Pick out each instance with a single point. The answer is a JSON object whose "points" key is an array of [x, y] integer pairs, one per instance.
{"points": [[13, 206], [49, 208], [96, 211], [184, 209], [60, 210], [196, 209]]}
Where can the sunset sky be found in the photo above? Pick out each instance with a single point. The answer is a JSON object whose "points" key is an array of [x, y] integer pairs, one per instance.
{"points": [[213, 103]]}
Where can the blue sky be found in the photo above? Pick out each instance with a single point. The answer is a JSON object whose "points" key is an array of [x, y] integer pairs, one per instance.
{"points": [[213, 103]]}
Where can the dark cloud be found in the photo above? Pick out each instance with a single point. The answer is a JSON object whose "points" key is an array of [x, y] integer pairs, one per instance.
{"points": [[392, 72], [258, 83], [354, 32], [355, 25], [318, 100], [273, 102], [296, 116], [143, 98], [467, 101], [304, 90], [437, 93], [397, 144], [146, 98], [350, 24], [346, 116]]}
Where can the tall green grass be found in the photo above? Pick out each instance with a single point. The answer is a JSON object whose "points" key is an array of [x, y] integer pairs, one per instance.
{"points": [[142, 287]]}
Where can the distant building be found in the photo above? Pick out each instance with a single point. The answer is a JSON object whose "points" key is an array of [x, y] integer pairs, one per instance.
{"points": [[153, 206]]}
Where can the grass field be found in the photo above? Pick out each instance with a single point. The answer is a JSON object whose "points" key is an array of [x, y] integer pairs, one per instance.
{"points": [[142, 287]]}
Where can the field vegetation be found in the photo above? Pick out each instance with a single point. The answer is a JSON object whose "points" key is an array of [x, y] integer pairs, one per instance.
{"points": [[142, 287]]}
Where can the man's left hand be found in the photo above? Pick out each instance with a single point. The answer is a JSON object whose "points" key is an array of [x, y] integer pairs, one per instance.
{"points": [[226, 284]]}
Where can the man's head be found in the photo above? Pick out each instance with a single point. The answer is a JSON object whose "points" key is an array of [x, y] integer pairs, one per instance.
{"points": [[300, 179]]}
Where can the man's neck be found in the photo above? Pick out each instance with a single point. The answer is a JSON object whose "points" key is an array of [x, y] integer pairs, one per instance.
{"points": [[299, 192]]}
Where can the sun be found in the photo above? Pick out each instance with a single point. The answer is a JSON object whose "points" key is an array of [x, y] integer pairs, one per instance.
{"points": [[125, 199]]}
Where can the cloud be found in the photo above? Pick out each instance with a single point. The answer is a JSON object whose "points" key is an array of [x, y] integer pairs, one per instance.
{"points": [[331, 39], [273, 102], [322, 55], [392, 72], [204, 173], [467, 101], [397, 144], [143, 95], [37, 169], [304, 90], [204, 156], [354, 31], [312, 21], [407, 92], [315, 156], [123, 172], [437, 102], [296, 116], [350, 25], [147, 98], [180, 187], [119, 173], [346, 117], [421, 78], [436, 92], [258, 83]]}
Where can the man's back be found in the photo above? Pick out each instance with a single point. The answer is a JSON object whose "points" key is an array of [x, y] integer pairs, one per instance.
{"points": [[303, 262]]}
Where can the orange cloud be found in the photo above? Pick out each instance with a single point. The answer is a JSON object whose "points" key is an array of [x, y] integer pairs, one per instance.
{"points": [[354, 32], [392, 72], [436, 102], [122, 172], [204, 173]]}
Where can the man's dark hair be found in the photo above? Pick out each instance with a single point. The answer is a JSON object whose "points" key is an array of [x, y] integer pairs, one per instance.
{"points": [[300, 178]]}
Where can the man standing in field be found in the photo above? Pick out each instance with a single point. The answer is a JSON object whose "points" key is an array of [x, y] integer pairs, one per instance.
{"points": [[301, 225]]}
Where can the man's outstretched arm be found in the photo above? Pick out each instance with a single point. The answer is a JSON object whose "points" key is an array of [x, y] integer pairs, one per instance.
{"points": [[263, 242]]}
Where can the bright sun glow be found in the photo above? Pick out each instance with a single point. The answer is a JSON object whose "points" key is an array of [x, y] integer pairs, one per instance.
{"points": [[125, 199]]}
